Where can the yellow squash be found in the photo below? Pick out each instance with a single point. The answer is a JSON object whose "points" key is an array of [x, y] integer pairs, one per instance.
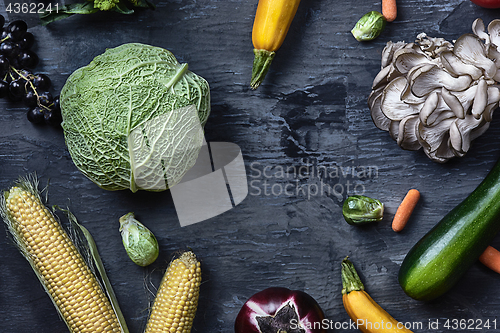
{"points": [[363, 310], [272, 21]]}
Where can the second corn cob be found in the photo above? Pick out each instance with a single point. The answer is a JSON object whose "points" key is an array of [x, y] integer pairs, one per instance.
{"points": [[66, 277], [175, 304]]}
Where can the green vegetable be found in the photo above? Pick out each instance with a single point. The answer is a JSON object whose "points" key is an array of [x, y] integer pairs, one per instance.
{"points": [[358, 209], [369, 27], [133, 118], [52, 13], [447, 251], [139, 242], [105, 4]]}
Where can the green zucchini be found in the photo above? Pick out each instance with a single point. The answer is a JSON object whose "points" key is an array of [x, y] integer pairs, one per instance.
{"points": [[451, 247]]}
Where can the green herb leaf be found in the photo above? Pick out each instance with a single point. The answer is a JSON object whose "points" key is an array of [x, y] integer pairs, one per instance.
{"points": [[143, 4], [50, 16], [121, 7]]}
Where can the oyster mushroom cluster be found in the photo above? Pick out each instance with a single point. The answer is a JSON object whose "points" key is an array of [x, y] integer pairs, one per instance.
{"points": [[437, 95]]}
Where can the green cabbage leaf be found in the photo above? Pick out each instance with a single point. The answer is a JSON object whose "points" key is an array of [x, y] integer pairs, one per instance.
{"points": [[133, 118]]}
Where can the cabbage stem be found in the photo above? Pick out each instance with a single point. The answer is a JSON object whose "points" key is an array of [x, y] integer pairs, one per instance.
{"points": [[178, 75]]}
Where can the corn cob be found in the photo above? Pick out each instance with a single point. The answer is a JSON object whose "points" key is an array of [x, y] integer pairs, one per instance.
{"points": [[66, 277], [175, 304]]}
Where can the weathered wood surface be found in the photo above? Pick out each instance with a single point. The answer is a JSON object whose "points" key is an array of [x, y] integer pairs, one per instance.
{"points": [[311, 109]]}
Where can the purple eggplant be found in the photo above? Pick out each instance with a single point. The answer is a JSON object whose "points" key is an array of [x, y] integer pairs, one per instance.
{"points": [[280, 310]]}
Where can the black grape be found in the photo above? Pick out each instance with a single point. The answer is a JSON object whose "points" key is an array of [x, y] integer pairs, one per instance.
{"points": [[45, 98], [36, 115], [17, 82], [53, 117], [27, 41], [42, 81], [9, 49], [4, 89], [4, 65], [30, 98], [17, 29], [28, 59], [17, 89]]}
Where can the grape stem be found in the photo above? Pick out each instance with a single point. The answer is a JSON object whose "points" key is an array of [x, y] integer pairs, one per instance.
{"points": [[28, 81]]}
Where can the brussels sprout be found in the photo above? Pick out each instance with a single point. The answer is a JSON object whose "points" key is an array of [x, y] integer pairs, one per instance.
{"points": [[369, 27], [358, 209], [139, 242]]}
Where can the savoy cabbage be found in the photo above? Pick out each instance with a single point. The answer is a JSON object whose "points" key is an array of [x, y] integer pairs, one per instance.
{"points": [[133, 118]]}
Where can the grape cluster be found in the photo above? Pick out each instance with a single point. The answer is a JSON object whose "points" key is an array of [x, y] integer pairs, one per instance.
{"points": [[18, 82]]}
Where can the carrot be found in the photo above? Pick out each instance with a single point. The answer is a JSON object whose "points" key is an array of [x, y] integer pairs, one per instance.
{"points": [[389, 10], [491, 259], [405, 209]]}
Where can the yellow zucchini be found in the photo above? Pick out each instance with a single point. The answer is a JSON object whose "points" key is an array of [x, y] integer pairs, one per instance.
{"points": [[362, 309], [271, 24]]}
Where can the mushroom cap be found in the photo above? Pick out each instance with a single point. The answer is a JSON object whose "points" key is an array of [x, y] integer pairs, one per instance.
{"points": [[428, 111], [407, 133], [453, 103], [380, 79], [379, 118], [434, 140], [460, 132], [432, 46], [471, 49], [479, 30], [394, 130], [407, 58], [457, 67], [392, 105], [494, 32], [435, 109], [480, 99], [428, 77], [438, 96], [388, 52]]}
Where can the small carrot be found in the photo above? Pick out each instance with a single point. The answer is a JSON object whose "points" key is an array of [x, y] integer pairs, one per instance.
{"points": [[491, 259], [405, 209], [389, 10]]}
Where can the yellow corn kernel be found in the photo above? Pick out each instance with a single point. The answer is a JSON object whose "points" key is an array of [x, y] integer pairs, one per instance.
{"points": [[57, 262], [176, 302]]}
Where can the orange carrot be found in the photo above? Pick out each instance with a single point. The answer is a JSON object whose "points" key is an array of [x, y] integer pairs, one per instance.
{"points": [[389, 10], [405, 209], [491, 259]]}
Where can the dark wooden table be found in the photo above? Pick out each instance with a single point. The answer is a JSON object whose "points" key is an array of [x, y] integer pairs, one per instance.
{"points": [[311, 110]]}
